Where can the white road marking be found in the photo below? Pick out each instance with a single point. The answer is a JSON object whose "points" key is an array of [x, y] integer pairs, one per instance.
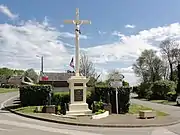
{"points": [[2, 104], [44, 128], [162, 131]]}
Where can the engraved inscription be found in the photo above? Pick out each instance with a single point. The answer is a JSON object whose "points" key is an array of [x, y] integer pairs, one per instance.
{"points": [[78, 84], [78, 95]]}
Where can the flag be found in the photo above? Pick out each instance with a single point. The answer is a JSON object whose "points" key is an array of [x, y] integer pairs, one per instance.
{"points": [[72, 63], [43, 76]]}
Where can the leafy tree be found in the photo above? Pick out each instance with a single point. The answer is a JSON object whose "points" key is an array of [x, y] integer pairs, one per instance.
{"points": [[149, 66], [168, 48], [9, 72], [31, 74], [6, 72]]}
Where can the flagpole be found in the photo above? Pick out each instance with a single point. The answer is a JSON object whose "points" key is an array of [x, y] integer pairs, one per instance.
{"points": [[42, 64]]}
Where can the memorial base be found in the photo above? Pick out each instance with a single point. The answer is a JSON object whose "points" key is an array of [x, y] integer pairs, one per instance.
{"points": [[49, 109], [80, 109]]}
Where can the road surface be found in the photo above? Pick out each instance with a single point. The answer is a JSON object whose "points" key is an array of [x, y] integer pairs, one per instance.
{"points": [[11, 124]]}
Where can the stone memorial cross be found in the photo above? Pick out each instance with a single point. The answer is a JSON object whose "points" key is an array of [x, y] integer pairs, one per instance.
{"points": [[77, 24]]}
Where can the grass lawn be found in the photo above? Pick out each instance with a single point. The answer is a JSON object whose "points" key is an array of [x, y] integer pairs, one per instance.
{"points": [[134, 109], [28, 109], [164, 102], [5, 90]]}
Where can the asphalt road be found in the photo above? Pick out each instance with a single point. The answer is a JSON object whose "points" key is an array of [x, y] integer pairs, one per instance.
{"points": [[11, 124]]}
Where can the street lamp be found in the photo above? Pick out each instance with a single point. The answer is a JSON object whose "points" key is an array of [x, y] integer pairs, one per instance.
{"points": [[41, 63]]}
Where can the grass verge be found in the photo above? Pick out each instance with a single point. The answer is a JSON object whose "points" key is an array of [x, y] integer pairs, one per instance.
{"points": [[28, 109], [134, 109], [5, 90], [164, 102]]}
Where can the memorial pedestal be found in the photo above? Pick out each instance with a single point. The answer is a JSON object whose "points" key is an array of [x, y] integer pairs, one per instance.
{"points": [[78, 105], [49, 109]]}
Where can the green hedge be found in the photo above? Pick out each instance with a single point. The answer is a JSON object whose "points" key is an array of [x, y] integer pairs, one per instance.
{"points": [[101, 94], [34, 94], [8, 86], [160, 89], [64, 97]]}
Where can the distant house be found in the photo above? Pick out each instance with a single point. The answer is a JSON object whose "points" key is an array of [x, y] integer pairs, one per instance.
{"points": [[3, 80], [15, 80], [19, 80], [57, 79]]}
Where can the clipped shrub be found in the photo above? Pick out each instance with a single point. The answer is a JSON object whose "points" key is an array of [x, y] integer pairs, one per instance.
{"points": [[64, 97], [101, 94], [8, 86], [144, 90], [135, 89], [34, 95], [161, 88], [97, 105], [60, 97], [124, 98], [171, 96]]}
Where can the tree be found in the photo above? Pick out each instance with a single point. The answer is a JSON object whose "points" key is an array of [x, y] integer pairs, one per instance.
{"points": [[167, 49], [6, 72], [18, 72], [87, 69], [86, 66], [31, 74], [112, 73], [10, 72], [149, 66]]}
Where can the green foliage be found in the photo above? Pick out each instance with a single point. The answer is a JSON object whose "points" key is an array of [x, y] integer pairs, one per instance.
{"points": [[60, 97], [34, 95], [8, 86], [99, 111], [144, 90], [9, 72], [64, 97], [102, 84], [98, 105], [149, 66], [126, 84], [161, 88], [171, 96], [31, 74], [135, 89], [101, 94]]}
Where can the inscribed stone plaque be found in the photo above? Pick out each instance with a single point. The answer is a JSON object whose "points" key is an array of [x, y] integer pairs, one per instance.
{"points": [[78, 84], [78, 95]]}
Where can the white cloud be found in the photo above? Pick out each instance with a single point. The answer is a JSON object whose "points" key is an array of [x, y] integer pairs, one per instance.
{"points": [[127, 50], [62, 26], [129, 26], [72, 35], [117, 33], [101, 32], [5, 10], [22, 43]]}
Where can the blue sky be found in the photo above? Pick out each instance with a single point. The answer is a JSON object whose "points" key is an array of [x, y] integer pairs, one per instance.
{"points": [[120, 30]]}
